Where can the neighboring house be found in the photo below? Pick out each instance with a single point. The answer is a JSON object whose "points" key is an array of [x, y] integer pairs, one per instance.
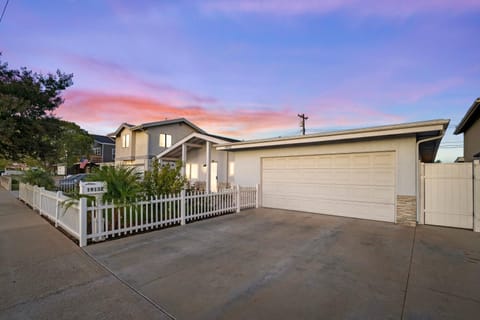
{"points": [[103, 149], [470, 127], [137, 145], [369, 173]]}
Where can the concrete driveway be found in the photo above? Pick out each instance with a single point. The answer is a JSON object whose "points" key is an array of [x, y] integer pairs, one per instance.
{"points": [[275, 264]]}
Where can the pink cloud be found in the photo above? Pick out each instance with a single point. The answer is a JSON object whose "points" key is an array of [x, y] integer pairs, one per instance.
{"points": [[94, 110], [358, 7], [103, 113], [114, 74]]}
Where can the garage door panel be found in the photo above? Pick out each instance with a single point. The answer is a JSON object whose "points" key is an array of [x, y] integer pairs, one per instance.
{"points": [[374, 211], [336, 192], [355, 185], [386, 160], [323, 162]]}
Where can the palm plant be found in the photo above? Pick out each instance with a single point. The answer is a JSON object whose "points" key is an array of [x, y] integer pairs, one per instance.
{"points": [[122, 182]]}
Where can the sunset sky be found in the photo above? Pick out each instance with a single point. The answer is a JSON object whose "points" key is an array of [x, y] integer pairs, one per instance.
{"points": [[246, 68]]}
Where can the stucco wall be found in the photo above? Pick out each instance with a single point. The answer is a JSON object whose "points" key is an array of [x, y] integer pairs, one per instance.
{"points": [[122, 153], [248, 163], [178, 131], [196, 158], [141, 145], [471, 141]]}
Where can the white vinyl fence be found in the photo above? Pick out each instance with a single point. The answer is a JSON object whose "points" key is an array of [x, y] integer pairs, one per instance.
{"points": [[6, 182], [53, 206], [451, 194], [96, 221]]}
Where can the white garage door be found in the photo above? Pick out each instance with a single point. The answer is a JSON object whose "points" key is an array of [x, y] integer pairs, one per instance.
{"points": [[360, 185]]}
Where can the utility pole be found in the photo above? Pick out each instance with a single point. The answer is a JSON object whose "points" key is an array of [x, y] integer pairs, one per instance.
{"points": [[302, 124]]}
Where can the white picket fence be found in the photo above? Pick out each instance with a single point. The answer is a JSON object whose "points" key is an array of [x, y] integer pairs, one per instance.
{"points": [[98, 221], [53, 206], [6, 182]]}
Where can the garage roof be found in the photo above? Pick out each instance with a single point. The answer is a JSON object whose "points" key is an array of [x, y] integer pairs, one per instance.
{"points": [[421, 130]]}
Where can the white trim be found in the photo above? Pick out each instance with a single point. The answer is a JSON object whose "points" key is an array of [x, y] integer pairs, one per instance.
{"points": [[190, 136], [373, 132]]}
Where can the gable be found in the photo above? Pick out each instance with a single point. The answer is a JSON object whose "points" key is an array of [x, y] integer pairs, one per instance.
{"points": [[471, 117]]}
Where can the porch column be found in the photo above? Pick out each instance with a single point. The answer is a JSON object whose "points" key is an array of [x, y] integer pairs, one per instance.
{"points": [[184, 158], [208, 157]]}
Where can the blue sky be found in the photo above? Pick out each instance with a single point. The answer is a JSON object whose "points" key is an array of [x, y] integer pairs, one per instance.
{"points": [[246, 68]]}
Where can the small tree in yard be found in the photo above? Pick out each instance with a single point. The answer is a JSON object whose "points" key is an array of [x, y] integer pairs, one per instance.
{"points": [[161, 180]]}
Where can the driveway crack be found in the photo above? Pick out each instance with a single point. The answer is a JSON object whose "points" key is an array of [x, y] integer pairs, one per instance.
{"points": [[125, 283], [409, 270]]}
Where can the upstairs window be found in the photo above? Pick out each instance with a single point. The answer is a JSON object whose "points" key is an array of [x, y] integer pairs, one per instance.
{"points": [[97, 151], [165, 140], [126, 141]]}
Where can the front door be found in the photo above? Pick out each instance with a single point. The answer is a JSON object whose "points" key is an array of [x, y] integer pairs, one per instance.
{"points": [[213, 177]]}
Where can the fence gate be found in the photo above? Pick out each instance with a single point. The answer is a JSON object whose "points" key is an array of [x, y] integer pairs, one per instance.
{"points": [[448, 194]]}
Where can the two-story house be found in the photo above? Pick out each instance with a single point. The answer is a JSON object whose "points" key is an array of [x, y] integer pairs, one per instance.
{"points": [[171, 140], [136, 145], [470, 127], [103, 149]]}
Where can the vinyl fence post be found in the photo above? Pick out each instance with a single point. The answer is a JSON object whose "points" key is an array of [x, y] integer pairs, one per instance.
{"points": [[182, 207], [421, 218], [257, 196], [82, 223], [99, 222], [35, 197], [57, 207], [40, 195], [238, 198]]}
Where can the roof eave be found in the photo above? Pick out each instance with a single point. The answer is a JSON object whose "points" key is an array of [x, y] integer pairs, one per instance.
{"points": [[202, 136], [466, 119], [355, 134], [168, 122]]}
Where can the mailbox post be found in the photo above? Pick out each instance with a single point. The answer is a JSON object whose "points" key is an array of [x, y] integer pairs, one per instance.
{"points": [[96, 189]]}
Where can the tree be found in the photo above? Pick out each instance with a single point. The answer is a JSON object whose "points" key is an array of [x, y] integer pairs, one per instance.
{"points": [[27, 102], [70, 144], [161, 180]]}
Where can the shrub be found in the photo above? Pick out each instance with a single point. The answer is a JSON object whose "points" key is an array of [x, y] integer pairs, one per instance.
{"points": [[39, 177], [161, 180]]}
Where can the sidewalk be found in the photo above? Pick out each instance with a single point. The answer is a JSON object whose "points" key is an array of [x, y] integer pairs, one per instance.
{"points": [[44, 275]]}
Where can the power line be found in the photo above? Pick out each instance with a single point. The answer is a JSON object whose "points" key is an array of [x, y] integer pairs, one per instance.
{"points": [[4, 9]]}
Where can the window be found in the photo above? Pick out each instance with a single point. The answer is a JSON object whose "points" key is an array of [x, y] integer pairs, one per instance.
{"points": [[191, 171], [126, 141], [97, 151], [165, 140]]}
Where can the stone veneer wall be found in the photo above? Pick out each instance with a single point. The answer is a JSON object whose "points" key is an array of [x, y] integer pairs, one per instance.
{"points": [[407, 210]]}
